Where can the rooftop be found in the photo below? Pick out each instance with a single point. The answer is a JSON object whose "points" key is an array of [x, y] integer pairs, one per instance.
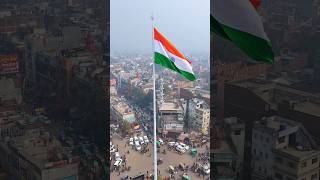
{"points": [[170, 118], [34, 149], [297, 154], [308, 107], [170, 106]]}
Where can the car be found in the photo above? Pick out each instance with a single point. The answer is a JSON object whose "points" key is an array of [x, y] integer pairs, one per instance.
{"points": [[137, 145], [146, 140], [206, 169], [180, 149], [171, 144], [161, 141], [112, 150], [131, 143], [117, 155], [141, 140], [118, 163], [136, 138], [125, 177], [184, 146]]}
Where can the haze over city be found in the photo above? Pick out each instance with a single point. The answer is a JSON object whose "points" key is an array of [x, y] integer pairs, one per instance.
{"points": [[184, 22]]}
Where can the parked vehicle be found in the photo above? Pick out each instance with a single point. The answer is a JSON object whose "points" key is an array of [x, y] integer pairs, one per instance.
{"points": [[206, 169], [186, 147], [141, 140], [172, 170], [161, 141], [136, 138], [118, 163], [112, 150], [171, 144], [137, 145], [145, 138], [180, 149], [125, 177], [182, 166], [117, 155]]}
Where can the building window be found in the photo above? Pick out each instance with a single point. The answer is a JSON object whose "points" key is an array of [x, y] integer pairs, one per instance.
{"points": [[278, 176], [237, 132], [254, 151], [291, 164], [314, 176], [304, 164], [278, 160], [259, 168], [266, 155], [261, 154], [281, 139], [314, 160], [267, 140]]}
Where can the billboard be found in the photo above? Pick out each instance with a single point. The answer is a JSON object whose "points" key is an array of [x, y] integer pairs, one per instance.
{"points": [[8, 64]]}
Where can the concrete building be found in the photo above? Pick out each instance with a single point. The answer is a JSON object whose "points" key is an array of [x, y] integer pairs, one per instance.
{"points": [[296, 163], [171, 119], [228, 156], [31, 152], [199, 115], [280, 147], [121, 111]]}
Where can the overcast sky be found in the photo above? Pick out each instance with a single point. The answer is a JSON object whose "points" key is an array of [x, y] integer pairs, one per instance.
{"points": [[184, 22]]}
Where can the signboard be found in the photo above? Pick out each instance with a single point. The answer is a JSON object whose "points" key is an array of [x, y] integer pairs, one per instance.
{"points": [[8, 64]]}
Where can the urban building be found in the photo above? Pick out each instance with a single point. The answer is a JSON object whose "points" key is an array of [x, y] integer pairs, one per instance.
{"points": [[228, 154], [283, 149], [121, 111], [171, 119], [29, 151], [198, 115]]}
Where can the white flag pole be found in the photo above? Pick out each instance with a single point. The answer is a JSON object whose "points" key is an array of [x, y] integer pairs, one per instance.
{"points": [[155, 171]]}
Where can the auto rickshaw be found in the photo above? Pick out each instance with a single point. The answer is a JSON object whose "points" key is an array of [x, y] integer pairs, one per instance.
{"points": [[182, 166], [185, 177], [172, 170]]}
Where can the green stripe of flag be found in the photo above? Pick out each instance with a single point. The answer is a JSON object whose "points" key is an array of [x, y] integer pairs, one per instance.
{"points": [[257, 48], [166, 62]]}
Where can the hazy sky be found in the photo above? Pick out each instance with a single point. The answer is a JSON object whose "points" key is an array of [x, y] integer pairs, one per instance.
{"points": [[184, 22]]}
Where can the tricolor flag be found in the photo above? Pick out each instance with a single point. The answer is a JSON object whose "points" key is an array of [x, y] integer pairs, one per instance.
{"points": [[239, 22], [166, 55]]}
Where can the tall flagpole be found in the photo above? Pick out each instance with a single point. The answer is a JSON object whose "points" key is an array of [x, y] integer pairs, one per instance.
{"points": [[155, 171]]}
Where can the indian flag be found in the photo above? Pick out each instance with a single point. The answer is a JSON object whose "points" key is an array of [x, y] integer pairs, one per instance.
{"points": [[239, 22], [168, 56]]}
